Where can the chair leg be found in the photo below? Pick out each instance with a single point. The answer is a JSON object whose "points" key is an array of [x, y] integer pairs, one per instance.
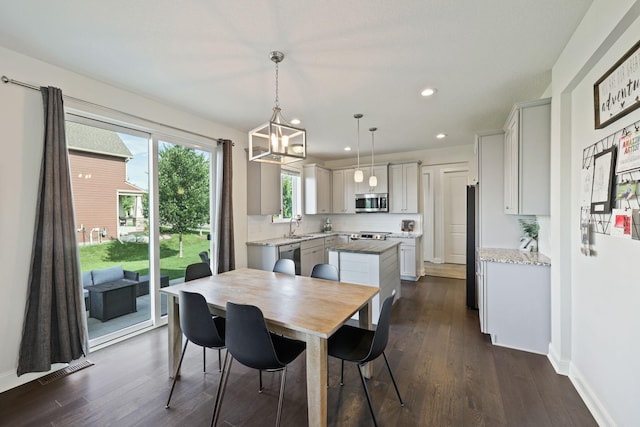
{"points": [[283, 375], [175, 375], [366, 392], [341, 372], [222, 386], [393, 379], [219, 361], [204, 359], [260, 388]]}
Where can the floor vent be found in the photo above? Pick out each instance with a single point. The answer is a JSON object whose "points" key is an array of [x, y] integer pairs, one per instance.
{"points": [[64, 372]]}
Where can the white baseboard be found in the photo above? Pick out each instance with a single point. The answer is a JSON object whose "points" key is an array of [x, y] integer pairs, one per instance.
{"points": [[10, 379], [595, 406], [561, 366]]}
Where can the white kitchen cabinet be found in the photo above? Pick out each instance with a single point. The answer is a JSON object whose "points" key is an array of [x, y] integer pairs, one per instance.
{"points": [[331, 241], [262, 257], [382, 174], [527, 158], [317, 190], [514, 305], [409, 257], [343, 191], [311, 253], [263, 193], [403, 188]]}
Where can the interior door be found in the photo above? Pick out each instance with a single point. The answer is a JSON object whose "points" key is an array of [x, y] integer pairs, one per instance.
{"points": [[455, 219]]}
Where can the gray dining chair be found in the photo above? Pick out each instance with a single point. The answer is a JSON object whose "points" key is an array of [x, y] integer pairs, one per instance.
{"points": [[360, 346], [198, 327], [325, 271], [249, 342], [195, 271], [285, 265]]}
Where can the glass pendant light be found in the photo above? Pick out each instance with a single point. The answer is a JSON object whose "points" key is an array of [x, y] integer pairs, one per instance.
{"points": [[373, 180], [358, 175], [277, 141]]}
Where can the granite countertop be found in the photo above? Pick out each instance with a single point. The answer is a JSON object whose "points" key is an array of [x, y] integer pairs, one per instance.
{"points": [[277, 241], [364, 246], [513, 256], [404, 234]]}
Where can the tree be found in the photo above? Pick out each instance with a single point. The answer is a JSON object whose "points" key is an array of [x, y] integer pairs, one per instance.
{"points": [[287, 203], [183, 187]]}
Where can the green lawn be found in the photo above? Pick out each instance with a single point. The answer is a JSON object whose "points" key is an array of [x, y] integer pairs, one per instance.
{"points": [[135, 256]]}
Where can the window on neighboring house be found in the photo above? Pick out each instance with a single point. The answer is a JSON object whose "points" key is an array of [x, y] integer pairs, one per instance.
{"points": [[290, 195]]}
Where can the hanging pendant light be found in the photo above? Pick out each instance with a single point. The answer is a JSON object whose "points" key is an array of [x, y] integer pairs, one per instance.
{"points": [[358, 175], [373, 180], [277, 141]]}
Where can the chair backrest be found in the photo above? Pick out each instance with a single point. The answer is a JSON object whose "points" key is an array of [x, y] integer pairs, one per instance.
{"points": [[248, 339], [204, 256], [285, 265], [381, 335], [197, 271], [196, 321], [325, 271]]}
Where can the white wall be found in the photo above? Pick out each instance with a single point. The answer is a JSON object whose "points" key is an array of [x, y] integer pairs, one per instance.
{"points": [[21, 119], [594, 299]]}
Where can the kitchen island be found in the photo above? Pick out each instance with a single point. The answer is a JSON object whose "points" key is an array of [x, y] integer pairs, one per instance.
{"points": [[371, 263]]}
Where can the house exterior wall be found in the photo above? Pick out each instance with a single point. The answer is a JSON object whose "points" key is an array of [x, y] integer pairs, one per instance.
{"points": [[95, 180]]}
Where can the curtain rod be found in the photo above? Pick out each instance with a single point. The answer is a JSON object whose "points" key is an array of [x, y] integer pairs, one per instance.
{"points": [[6, 79]]}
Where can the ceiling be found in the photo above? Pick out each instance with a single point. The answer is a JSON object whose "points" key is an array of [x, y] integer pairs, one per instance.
{"points": [[372, 57]]}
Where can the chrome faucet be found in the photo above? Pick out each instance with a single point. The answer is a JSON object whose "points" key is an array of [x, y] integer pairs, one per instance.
{"points": [[297, 219]]}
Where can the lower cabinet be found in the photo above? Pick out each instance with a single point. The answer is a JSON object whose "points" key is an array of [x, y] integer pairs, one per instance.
{"points": [[262, 257], [311, 253], [514, 305], [409, 259]]}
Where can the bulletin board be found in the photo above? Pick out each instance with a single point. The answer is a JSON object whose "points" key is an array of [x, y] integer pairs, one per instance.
{"points": [[610, 186]]}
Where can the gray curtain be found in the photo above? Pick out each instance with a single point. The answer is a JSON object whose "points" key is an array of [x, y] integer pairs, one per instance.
{"points": [[226, 250], [55, 328]]}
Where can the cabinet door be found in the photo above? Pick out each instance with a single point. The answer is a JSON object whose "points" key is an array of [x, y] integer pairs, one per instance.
{"points": [[337, 192], [263, 196], [397, 189], [407, 260], [511, 165], [411, 171], [324, 190]]}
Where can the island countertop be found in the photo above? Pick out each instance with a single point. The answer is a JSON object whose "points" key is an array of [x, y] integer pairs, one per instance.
{"points": [[364, 246]]}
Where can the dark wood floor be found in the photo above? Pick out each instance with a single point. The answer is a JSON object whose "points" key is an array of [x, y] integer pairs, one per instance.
{"points": [[447, 371]]}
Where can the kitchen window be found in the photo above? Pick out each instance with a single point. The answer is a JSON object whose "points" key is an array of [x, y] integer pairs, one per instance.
{"points": [[290, 195]]}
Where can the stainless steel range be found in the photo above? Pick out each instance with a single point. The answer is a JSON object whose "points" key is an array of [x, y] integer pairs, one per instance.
{"points": [[369, 235]]}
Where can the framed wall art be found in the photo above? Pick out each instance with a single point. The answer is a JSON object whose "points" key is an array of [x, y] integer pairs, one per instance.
{"points": [[617, 92], [603, 172]]}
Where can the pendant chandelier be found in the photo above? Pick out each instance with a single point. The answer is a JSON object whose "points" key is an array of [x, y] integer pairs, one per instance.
{"points": [[358, 175], [373, 180], [277, 141]]}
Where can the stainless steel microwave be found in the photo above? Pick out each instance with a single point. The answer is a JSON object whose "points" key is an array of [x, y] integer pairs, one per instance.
{"points": [[372, 202]]}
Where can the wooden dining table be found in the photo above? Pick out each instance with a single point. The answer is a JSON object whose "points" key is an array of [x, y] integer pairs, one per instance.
{"points": [[304, 308]]}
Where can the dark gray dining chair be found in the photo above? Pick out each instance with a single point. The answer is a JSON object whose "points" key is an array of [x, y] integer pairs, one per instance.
{"points": [[195, 271], [285, 265], [360, 346], [198, 327], [250, 343], [325, 271]]}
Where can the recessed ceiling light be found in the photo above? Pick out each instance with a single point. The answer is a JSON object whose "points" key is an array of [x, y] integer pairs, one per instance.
{"points": [[441, 135], [428, 91], [295, 121], [347, 148]]}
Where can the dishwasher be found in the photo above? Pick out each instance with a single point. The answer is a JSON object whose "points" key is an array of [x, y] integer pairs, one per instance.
{"points": [[291, 251]]}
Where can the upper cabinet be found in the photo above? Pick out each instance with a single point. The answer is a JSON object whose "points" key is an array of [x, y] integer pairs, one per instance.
{"points": [[317, 190], [343, 191], [263, 193], [527, 158], [403, 183], [381, 172]]}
